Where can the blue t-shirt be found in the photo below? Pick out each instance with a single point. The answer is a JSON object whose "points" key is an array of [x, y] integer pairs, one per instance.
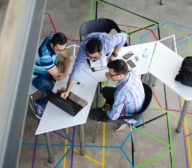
{"points": [[45, 59]]}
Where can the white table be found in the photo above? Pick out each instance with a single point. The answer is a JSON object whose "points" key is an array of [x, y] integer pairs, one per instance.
{"points": [[165, 65], [162, 62], [54, 118], [86, 89], [142, 65]]}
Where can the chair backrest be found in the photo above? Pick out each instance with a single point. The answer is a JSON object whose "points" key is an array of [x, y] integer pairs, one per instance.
{"points": [[148, 97], [97, 25], [146, 103]]}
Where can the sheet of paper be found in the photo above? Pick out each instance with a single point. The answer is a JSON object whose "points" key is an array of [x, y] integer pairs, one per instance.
{"points": [[101, 62]]}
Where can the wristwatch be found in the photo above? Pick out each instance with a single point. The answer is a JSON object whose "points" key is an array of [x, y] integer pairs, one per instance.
{"points": [[114, 54]]}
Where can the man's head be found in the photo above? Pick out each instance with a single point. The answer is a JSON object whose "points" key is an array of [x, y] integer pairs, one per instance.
{"points": [[118, 69], [58, 42], [93, 48]]}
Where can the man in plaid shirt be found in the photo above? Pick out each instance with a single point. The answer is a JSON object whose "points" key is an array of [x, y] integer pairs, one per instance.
{"points": [[126, 98]]}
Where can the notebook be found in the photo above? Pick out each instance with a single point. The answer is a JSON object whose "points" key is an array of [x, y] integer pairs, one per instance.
{"points": [[96, 68], [72, 105]]}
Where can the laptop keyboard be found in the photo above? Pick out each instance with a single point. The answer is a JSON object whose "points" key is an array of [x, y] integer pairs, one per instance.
{"points": [[75, 106], [68, 105]]}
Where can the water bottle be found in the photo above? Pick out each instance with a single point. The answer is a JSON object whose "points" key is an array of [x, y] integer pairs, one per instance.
{"points": [[145, 55]]}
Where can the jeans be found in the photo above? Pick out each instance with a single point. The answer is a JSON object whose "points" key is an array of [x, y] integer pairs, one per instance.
{"points": [[43, 83], [98, 114], [108, 94]]}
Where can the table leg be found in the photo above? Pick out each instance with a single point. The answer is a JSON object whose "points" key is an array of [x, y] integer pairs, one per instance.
{"points": [[182, 115], [152, 80], [82, 139], [49, 147]]}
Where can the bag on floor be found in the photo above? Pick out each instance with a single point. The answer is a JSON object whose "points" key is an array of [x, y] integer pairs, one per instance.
{"points": [[185, 72]]}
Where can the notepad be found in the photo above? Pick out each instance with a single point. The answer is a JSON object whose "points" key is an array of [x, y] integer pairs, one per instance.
{"points": [[98, 65]]}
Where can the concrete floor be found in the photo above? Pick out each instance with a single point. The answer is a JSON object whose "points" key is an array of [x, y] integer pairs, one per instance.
{"points": [[152, 141]]}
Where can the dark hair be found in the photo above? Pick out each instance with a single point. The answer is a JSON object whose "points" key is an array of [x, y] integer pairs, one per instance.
{"points": [[119, 66], [94, 45], [59, 38]]}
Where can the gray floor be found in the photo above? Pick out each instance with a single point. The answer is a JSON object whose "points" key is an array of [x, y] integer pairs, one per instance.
{"points": [[152, 141]]}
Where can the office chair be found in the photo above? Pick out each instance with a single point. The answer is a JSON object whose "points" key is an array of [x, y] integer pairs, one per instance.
{"points": [[97, 25], [47, 135], [132, 121]]}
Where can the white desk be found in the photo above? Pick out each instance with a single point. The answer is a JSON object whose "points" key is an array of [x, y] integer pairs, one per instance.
{"points": [[85, 90], [54, 118], [142, 65], [162, 62], [165, 65]]}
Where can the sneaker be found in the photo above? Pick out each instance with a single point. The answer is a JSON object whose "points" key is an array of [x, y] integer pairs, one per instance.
{"points": [[121, 127], [38, 110]]}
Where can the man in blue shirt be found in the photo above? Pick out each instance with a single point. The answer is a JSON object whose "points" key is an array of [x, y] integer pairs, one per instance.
{"points": [[126, 98], [94, 46], [46, 71], [48, 68]]}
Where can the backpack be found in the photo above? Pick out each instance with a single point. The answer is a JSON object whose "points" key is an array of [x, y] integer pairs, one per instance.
{"points": [[185, 72]]}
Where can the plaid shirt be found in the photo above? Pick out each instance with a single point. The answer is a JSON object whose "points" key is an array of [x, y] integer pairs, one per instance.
{"points": [[129, 96]]}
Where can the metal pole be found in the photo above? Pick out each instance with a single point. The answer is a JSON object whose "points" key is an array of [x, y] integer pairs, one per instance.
{"points": [[82, 139], [49, 147], [181, 119], [96, 5]]}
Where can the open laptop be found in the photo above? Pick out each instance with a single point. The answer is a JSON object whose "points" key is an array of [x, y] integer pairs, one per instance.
{"points": [[72, 105]]}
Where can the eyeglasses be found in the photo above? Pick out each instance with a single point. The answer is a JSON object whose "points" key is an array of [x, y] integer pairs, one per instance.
{"points": [[94, 58], [59, 50], [112, 75]]}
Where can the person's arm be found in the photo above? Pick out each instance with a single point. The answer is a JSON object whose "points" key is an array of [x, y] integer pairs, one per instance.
{"points": [[117, 41], [47, 62], [67, 61], [55, 73], [79, 61], [70, 84], [117, 106]]}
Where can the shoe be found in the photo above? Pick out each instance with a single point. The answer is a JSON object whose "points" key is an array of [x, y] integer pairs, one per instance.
{"points": [[121, 127], [38, 110]]}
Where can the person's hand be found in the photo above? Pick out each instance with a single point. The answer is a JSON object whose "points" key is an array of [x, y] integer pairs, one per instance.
{"points": [[107, 75], [61, 76], [65, 94], [106, 107], [111, 58]]}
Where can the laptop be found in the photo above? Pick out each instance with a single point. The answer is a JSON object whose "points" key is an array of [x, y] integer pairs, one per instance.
{"points": [[72, 105]]}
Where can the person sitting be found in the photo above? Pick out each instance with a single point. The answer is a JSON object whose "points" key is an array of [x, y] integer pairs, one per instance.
{"points": [[48, 68], [123, 100], [93, 47]]}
